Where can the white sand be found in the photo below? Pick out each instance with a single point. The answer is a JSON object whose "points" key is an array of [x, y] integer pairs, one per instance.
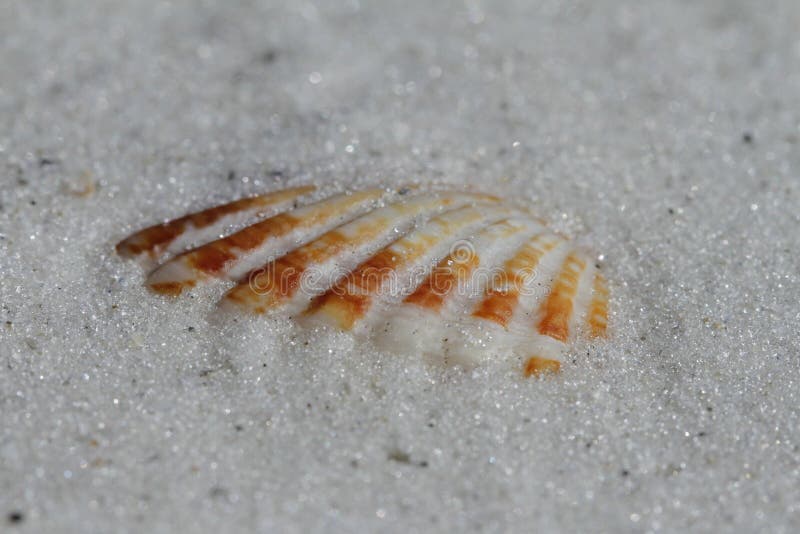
{"points": [[624, 125]]}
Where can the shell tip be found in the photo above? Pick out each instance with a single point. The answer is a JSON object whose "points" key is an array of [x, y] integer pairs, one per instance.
{"points": [[170, 289], [536, 366]]}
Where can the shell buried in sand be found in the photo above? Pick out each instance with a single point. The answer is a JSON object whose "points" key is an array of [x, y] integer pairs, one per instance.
{"points": [[456, 277]]}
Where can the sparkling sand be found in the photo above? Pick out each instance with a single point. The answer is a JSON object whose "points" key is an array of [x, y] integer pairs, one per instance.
{"points": [[663, 135]]}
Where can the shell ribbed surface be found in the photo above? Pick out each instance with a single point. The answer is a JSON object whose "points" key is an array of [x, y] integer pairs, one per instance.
{"points": [[458, 278]]}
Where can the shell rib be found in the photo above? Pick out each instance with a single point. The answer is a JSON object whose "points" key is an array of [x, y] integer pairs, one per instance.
{"points": [[152, 244], [456, 278], [236, 254]]}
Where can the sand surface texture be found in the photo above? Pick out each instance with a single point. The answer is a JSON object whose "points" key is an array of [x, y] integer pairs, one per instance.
{"points": [[664, 135]]}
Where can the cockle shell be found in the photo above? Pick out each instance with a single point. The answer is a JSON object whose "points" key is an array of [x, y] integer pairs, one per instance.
{"points": [[455, 277]]}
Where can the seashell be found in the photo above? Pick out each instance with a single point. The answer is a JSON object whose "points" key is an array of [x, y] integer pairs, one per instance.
{"points": [[455, 277]]}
